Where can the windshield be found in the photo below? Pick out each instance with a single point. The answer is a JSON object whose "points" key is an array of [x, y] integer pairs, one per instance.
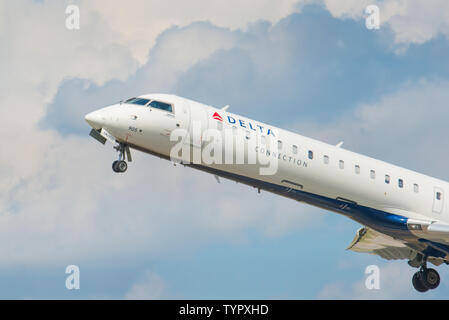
{"points": [[161, 105], [140, 101]]}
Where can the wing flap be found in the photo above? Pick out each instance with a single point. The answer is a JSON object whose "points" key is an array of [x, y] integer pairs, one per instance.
{"points": [[370, 241]]}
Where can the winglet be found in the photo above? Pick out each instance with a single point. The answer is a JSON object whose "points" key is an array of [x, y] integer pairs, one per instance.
{"points": [[225, 107]]}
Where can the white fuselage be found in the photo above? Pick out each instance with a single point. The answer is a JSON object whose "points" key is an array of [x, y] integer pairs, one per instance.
{"points": [[365, 189]]}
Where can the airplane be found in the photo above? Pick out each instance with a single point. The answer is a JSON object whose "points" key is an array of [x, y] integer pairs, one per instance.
{"points": [[403, 213]]}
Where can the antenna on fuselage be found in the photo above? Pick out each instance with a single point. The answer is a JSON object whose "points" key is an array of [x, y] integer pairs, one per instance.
{"points": [[225, 107]]}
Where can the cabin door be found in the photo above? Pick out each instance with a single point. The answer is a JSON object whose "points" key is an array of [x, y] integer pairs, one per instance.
{"points": [[198, 125]]}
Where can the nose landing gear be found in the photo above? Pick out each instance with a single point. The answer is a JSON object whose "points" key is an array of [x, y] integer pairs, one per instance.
{"points": [[426, 279], [120, 165]]}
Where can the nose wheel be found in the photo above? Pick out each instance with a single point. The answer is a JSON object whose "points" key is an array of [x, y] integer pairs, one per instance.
{"points": [[120, 165]]}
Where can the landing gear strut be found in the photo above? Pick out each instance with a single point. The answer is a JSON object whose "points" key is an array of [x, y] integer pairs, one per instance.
{"points": [[120, 165], [426, 278]]}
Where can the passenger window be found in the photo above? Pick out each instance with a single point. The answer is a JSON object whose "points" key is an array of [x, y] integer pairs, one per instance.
{"points": [[161, 106], [311, 155], [373, 174], [326, 159], [387, 179], [357, 169], [295, 149], [279, 145], [416, 188], [401, 183], [247, 135], [341, 164]]}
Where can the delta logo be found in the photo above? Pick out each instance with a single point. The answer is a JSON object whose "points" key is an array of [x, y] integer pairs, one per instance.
{"points": [[245, 124], [216, 116]]}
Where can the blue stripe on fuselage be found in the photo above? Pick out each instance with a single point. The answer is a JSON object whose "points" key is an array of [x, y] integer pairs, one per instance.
{"points": [[387, 223]]}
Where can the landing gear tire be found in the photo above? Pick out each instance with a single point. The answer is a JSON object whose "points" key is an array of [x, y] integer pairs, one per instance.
{"points": [[122, 166], [426, 279], [431, 278], [119, 166], [419, 283], [114, 166]]}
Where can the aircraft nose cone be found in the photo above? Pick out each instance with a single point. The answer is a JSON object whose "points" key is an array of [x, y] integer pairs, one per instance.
{"points": [[94, 120]]}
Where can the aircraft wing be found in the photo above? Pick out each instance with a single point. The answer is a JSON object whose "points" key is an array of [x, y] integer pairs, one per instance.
{"points": [[370, 241]]}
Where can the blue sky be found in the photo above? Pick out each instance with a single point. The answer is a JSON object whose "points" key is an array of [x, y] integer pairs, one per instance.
{"points": [[165, 232]]}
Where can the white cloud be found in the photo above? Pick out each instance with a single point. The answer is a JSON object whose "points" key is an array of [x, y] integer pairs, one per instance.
{"points": [[113, 40], [150, 287], [412, 21], [58, 196], [395, 283], [139, 22], [353, 9], [181, 48]]}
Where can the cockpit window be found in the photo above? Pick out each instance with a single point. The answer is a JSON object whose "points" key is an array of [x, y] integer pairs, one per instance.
{"points": [[139, 101], [161, 105]]}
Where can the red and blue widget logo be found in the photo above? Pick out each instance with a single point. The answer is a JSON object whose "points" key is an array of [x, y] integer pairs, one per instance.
{"points": [[216, 116]]}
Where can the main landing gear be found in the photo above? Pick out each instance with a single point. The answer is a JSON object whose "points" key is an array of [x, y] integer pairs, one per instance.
{"points": [[120, 165], [426, 279]]}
